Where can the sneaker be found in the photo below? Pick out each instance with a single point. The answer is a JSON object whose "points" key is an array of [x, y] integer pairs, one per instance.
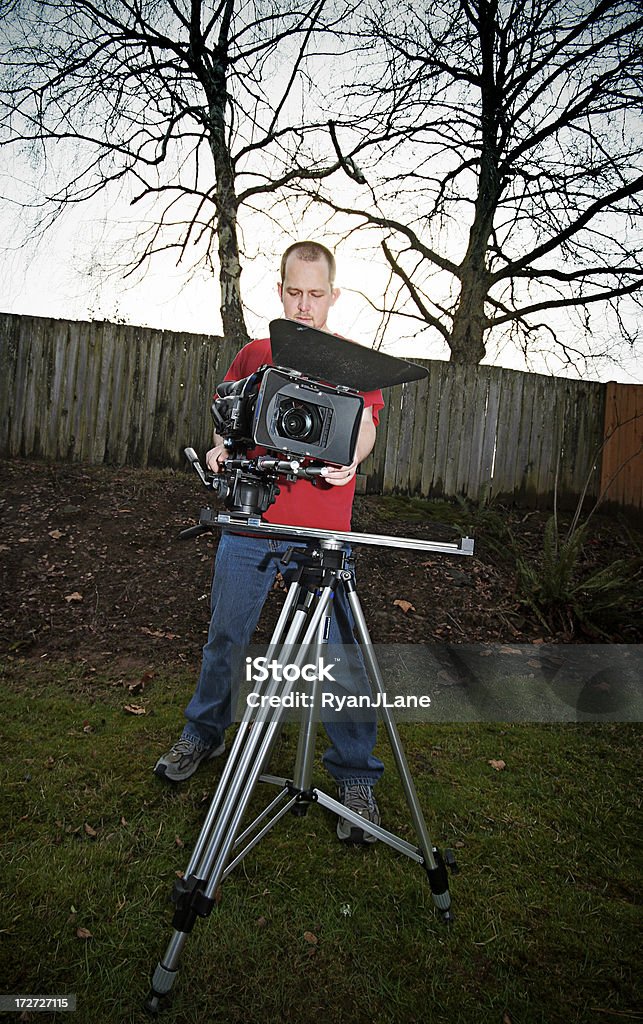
{"points": [[358, 798], [184, 758]]}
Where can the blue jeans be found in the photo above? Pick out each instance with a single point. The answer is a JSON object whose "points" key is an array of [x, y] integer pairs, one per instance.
{"points": [[244, 572]]}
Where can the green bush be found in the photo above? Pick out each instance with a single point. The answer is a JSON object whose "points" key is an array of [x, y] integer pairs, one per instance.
{"points": [[565, 595]]}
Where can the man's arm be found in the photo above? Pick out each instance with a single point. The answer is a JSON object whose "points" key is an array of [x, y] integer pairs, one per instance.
{"points": [[341, 475]]}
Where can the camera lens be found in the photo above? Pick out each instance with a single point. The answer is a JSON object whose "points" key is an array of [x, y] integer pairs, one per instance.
{"points": [[295, 422]]}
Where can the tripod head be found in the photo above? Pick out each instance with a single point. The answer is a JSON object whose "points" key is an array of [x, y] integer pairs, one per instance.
{"points": [[249, 486]]}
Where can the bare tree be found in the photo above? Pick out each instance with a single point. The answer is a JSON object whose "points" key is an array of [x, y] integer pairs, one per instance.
{"points": [[506, 179], [196, 104]]}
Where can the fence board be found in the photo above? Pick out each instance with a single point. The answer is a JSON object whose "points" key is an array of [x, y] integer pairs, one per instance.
{"points": [[486, 468], [504, 481], [8, 373], [119, 394], [471, 393], [582, 441], [433, 405], [545, 439], [473, 480], [405, 440], [443, 453], [418, 414], [101, 424], [621, 479], [393, 423]]}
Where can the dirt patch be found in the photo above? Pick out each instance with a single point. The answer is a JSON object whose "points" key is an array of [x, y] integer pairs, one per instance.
{"points": [[94, 570]]}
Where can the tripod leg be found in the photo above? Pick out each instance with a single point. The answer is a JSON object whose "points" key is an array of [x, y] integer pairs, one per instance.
{"points": [[303, 773], [433, 860], [251, 748], [232, 766]]}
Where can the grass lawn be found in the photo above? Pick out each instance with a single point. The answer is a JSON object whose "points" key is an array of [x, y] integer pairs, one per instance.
{"points": [[307, 931]]}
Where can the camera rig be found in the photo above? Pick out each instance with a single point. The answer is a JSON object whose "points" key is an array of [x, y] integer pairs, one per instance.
{"points": [[291, 419], [247, 486], [301, 425]]}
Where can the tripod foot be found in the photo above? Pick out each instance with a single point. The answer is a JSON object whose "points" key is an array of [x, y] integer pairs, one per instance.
{"points": [[439, 883], [152, 1005], [162, 981]]}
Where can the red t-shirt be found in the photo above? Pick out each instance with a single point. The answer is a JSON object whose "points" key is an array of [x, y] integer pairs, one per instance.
{"points": [[303, 502]]}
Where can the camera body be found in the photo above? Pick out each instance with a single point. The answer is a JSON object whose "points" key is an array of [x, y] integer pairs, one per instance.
{"points": [[290, 414]]}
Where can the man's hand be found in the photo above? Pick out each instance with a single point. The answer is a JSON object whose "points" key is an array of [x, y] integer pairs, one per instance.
{"points": [[339, 475], [216, 457]]}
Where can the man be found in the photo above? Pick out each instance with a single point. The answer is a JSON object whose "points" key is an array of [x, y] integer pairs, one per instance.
{"points": [[245, 569]]}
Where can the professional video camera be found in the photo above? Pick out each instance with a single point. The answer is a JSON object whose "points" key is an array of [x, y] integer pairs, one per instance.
{"points": [[305, 411], [285, 412]]}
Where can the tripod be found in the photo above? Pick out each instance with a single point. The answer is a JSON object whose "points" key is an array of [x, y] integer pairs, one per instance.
{"points": [[301, 627]]}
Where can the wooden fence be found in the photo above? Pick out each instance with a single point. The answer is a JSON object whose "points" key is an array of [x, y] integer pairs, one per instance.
{"points": [[100, 392]]}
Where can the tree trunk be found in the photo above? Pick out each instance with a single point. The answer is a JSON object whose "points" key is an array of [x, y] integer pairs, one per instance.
{"points": [[216, 88], [470, 323], [232, 318]]}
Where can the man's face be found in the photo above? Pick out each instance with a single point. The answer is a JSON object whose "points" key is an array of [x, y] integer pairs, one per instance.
{"points": [[306, 292]]}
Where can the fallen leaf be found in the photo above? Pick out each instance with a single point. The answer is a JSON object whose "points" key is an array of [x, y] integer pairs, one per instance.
{"points": [[497, 765], [261, 922], [506, 1019], [90, 831], [55, 534], [83, 933], [406, 606], [134, 709], [178, 841], [442, 674], [311, 938], [141, 683], [73, 597]]}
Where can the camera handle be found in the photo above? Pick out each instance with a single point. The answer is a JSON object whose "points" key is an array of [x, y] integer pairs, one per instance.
{"points": [[260, 464]]}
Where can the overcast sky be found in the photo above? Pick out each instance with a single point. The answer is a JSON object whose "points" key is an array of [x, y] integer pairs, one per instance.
{"points": [[67, 275], [71, 273]]}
